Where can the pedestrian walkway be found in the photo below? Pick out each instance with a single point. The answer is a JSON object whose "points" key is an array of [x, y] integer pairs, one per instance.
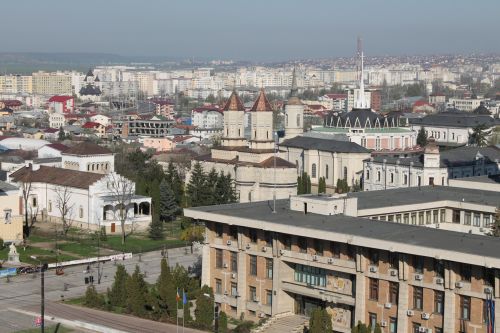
{"points": [[290, 323]]}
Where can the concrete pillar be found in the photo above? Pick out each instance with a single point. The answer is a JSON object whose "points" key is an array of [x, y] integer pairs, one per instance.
{"points": [[205, 268], [449, 311], [403, 306], [242, 283], [359, 311]]}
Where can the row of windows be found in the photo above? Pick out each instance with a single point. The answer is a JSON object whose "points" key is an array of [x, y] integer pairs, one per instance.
{"points": [[423, 217], [327, 171], [309, 275]]}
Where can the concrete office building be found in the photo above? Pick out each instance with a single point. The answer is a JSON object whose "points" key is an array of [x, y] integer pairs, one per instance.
{"points": [[317, 251]]}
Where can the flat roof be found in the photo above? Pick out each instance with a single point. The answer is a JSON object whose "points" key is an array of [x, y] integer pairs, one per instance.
{"points": [[423, 194], [404, 238], [492, 179]]}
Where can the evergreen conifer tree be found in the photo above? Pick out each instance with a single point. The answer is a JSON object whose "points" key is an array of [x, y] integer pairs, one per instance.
{"points": [[211, 185], [93, 299], [422, 137], [166, 290], [222, 322], [61, 135], [156, 230], [174, 180], [322, 185], [137, 293], [300, 185], [168, 204], [196, 189], [320, 321], [118, 295], [205, 308]]}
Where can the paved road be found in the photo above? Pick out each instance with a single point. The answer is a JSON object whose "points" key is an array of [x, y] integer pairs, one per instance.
{"points": [[23, 292]]}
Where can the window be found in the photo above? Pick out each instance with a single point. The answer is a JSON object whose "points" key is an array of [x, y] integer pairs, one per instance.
{"points": [[234, 289], [373, 319], [310, 275], [218, 258], [467, 218], [367, 174], [313, 170], [373, 289], [477, 219], [456, 216], [414, 218], [234, 261], [418, 298], [218, 286], [393, 325], [435, 216], [398, 218], [392, 178], [218, 229], [488, 277], [335, 249], [287, 242], [421, 218], [431, 181], [318, 247], [326, 171], [253, 265], [486, 220], [393, 292], [253, 235], [465, 272], [253, 293], [438, 268], [269, 239], [465, 307], [269, 268], [406, 218], [418, 264], [438, 330], [33, 201], [442, 218], [233, 232], [7, 214], [81, 212], [419, 181], [428, 217], [50, 206], [269, 297], [393, 260], [302, 243], [405, 179], [345, 173], [438, 302], [378, 176], [351, 252], [373, 256], [415, 327]]}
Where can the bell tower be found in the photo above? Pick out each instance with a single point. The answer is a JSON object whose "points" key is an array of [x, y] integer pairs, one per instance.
{"points": [[294, 112], [234, 114]]}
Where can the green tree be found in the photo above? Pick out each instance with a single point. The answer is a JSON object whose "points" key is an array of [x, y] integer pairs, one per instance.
{"points": [[342, 186], [322, 185], [166, 290], [210, 184], [496, 224], [196, 190], [137, 293], [478, 137], [304, 184], [210, 99], [156, 230], [176, 184], [117, 296], [320, 321], [300, 185], [422, 137], [61, 136], [377, 329], [222, 322], [205, 308], [93, 299], [168, 203], [224, 189], [360, 328]]}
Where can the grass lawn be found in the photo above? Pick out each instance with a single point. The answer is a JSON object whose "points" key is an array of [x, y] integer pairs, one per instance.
{"points": [[41, 254], [83, 250], [49, 329], [137, 244]]}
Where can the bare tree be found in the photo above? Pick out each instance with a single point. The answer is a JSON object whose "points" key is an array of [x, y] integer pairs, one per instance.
{"points": [[25, 181], [65, 207], [123, 191]]}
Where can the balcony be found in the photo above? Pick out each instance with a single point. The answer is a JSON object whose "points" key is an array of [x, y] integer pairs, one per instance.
{"points": [[322, 293], [226, 299], [329, 263]]}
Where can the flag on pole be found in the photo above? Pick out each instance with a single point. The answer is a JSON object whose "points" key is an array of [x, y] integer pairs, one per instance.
{"points": [[184, 297], [177, 296]]}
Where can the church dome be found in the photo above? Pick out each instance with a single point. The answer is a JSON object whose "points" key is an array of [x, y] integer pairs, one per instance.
{"points": [[233, 103]]}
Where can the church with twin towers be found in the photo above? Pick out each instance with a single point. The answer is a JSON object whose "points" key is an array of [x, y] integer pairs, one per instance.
{"points": [[254, 162]]}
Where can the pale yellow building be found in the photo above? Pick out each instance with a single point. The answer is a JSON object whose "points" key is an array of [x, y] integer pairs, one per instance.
{"points": [[53, 83], [11, 221], [15, 84]]}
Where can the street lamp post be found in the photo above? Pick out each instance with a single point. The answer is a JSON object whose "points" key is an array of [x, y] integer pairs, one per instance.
{"points": [[42, 294]]}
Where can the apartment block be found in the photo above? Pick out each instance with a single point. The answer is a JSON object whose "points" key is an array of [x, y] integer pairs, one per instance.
{"points": [[311, 251], [53, 83]]}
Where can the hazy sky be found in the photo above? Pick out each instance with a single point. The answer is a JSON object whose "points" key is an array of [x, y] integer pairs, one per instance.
{"points": [[252, 29]]}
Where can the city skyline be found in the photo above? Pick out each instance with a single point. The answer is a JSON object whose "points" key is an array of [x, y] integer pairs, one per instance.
{"points": [[260, 32]]}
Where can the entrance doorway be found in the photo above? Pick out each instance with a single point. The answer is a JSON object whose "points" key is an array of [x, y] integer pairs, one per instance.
{"points": [[112, 227], [305, 305]]}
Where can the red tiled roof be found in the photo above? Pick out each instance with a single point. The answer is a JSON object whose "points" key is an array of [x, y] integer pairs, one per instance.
{"points": [[261, 103], [58, 146], [11, 103], [234, 103], [420, 103], [57, 176], [87, 148], [336, 96], [181, 138], [50, 130], [61, 99], [91, 124]]}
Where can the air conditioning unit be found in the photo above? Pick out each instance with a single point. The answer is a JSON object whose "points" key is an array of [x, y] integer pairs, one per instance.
{"points": [[394, 272], [373, 269], [282, 252], [383, 323], [459, 284], [426, 315], [234, 276], [330, 260], [410, 313], [315, 257], [256, 299], [488, 290], [228, 243], [224, 265], [439, 280], [419, 277], [248, 246], [422, 329], [388, 305], [264, 249]]}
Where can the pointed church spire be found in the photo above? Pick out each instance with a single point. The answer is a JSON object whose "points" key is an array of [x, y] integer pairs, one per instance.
{"points": [[234, 103], [262, 103], [361, 101]]}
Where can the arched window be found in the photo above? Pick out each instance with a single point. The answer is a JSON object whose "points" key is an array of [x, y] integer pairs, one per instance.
{"points": [[50, 206], [392, 177], [255, 134], [298, 120], [345, 173], [326, 171], [378, 175], [313, 170], [367, 174], [81, 212], [286, 119], [239, 132], [249, 196], [405, 179]]}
